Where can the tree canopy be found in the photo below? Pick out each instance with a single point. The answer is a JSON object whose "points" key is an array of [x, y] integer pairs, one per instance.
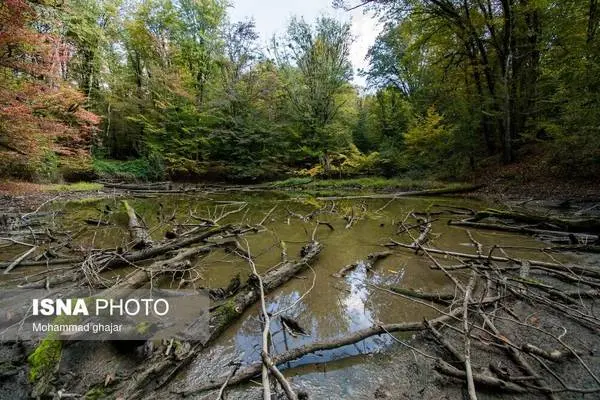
{"points": [[174, 88]]}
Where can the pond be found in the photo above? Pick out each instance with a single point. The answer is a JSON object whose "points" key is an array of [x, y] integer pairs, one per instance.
{"points": [[324, 305]]}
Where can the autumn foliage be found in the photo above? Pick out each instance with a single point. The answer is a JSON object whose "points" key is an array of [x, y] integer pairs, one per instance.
{"points": [[43, 122]]}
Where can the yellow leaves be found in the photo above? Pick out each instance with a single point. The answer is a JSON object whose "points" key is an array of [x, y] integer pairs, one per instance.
{"points": [[428, 136]]}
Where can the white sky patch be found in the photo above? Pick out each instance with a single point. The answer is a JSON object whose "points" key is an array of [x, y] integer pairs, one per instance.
{"points": [[365, 29], [272, 17]]}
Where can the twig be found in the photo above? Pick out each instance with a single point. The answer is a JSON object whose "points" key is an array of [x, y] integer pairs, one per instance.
{"points": [[231, 374], [40, 207], [467, 358]]}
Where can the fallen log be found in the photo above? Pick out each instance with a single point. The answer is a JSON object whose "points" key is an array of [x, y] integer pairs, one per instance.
{"points": [[582, 270], [480, 380], [249, 294], [158, 186], [158, 250], [39, 263], [429, 192], [523, 229], [372, 258], [567, 224], [127, 258], [142, 276], [294, 354], [439, 298], [139, 234], [163, 369], [19, 259], [580, 248]]}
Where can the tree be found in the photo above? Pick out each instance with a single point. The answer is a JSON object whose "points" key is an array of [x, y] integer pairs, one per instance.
{"points": [[316, 67], [41, 116]]}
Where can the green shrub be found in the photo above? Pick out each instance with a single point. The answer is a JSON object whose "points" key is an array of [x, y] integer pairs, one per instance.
{"points": [[144, 169]]}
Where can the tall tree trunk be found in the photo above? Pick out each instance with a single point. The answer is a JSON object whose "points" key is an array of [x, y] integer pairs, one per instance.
{"points": [[509, 83], [486, 124], [593, 20]]}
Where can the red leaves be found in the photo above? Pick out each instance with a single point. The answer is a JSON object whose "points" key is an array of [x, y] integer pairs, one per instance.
{"points": [[38, 110]]}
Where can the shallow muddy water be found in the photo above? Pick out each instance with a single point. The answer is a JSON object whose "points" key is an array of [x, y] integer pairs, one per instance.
{"points": [[331, 306]]}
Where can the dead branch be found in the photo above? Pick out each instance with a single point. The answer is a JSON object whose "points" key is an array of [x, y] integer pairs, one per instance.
{"points": [[585, 238], [139, 234], [467, 357], [430, 192], [451, 349], [583, 270], [254, 369], [479, 379], [514, 354], [439, 298], [19, 259], [554, 355]]}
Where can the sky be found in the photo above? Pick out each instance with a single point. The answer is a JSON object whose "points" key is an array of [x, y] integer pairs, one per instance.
{"points": [[272, 17]]}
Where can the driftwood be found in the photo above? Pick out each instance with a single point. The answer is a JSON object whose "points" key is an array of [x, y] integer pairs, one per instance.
{"points": [[516, 356], [429, 192], [177, 262], [160, 371], [289, 392], [372, 258], [581, 248], [480, 380], [38, 263], [109, 260], [567, 224], [578, 269], [249, 294], [293, 354], [158, 250], [422, 239], [440, 298], [158, 186], [19, 259], [524, 229], [139, 234]]}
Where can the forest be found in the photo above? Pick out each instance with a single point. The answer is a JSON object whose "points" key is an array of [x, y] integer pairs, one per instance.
{"points": [[424, 227], [174, 89]]}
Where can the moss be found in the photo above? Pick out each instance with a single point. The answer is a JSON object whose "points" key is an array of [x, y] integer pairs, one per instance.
{"points": [[142, 328], [43, 360], [74, 187], [87, 201], [95, 394], [228, 311]]}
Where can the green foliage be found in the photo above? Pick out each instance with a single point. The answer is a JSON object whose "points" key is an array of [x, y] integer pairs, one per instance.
{"points": [[96, 393], [140, 169], [186, 94], [349, 163], [315, 67], [371, 183], [511, 76], [428, 142], [74, 187]]}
